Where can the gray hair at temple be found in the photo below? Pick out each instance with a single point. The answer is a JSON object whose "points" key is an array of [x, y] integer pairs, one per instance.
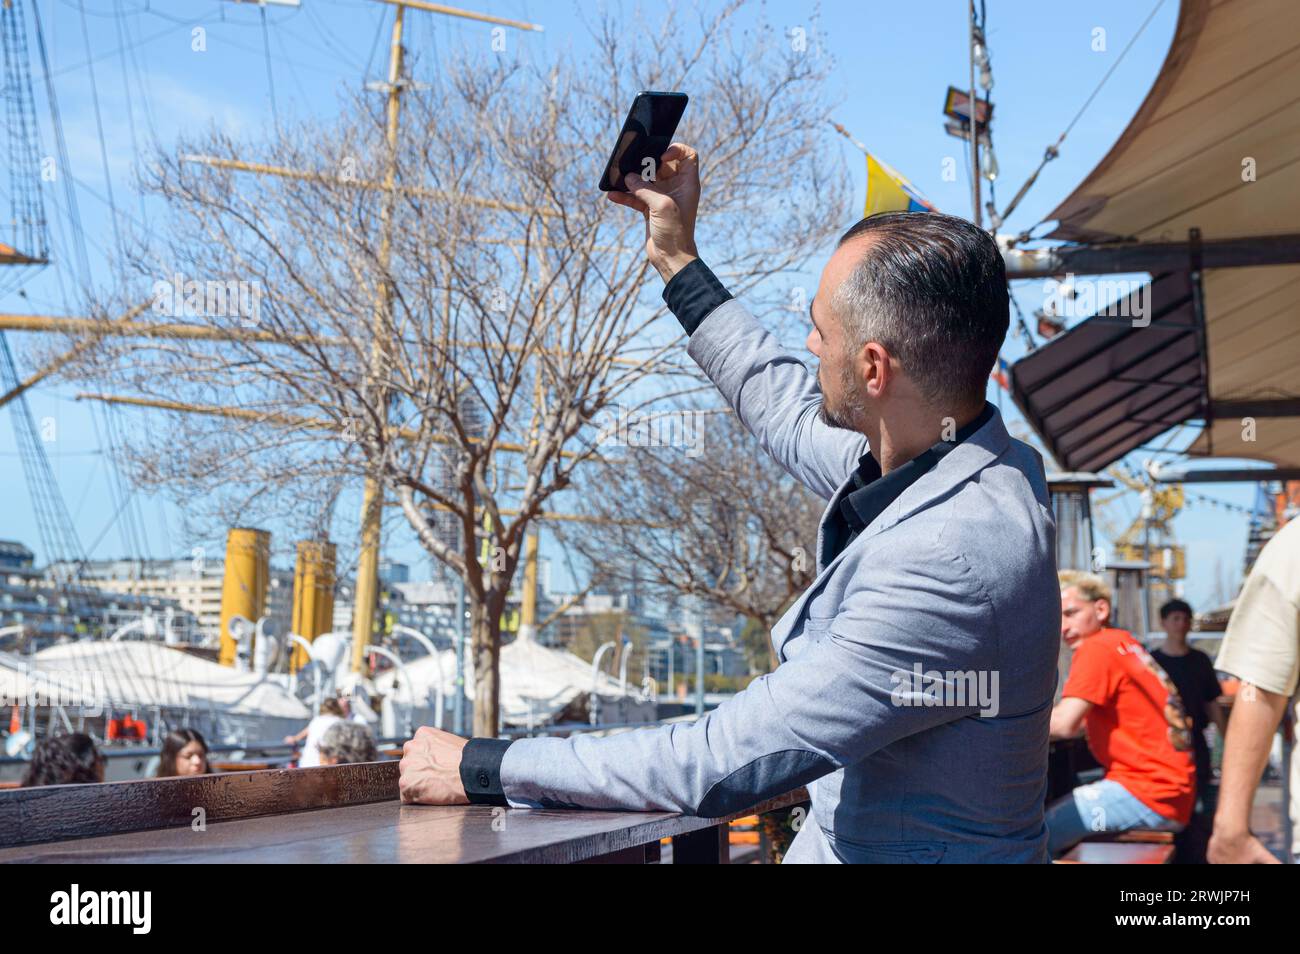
{"points": [[347, 742], [932, 289]]}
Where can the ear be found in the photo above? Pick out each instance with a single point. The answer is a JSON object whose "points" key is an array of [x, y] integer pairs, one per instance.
{"points": [[1103, 610], [874, 369]]}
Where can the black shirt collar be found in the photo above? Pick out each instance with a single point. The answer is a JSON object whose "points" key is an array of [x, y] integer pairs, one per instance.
{"points": [[873, 492]]}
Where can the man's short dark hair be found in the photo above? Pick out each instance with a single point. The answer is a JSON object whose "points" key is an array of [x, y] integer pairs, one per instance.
{"points": [[932, 289], [1175, 606]]}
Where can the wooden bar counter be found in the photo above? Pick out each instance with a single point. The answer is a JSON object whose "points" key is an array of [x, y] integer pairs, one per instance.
{"points": [[330, 815]]}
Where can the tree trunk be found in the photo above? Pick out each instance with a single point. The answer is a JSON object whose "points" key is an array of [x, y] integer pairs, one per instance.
{"points": [[485, 641]]}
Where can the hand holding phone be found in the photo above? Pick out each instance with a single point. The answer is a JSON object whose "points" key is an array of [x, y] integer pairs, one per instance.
{"points": [[669, 202], [669, 205], [647, 132]]}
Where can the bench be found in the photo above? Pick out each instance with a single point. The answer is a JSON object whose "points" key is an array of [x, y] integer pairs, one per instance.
{"points": [[1138, 846]]}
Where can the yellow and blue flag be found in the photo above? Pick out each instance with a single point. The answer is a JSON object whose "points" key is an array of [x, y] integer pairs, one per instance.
{"points": [[887, 191]]}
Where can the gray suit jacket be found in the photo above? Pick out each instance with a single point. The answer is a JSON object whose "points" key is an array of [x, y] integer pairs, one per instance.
{"points": [[917, 671]]}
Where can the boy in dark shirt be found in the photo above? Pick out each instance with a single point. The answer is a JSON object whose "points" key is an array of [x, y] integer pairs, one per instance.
{"points": [[1193, 674]]}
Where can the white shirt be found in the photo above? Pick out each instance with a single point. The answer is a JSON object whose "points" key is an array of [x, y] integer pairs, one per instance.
{"points": [[1262, 644], [316, 730]]}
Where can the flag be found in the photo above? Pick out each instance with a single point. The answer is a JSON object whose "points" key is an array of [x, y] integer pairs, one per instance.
{"points": [[1049, 326], [1002, 374], [887, 191]]}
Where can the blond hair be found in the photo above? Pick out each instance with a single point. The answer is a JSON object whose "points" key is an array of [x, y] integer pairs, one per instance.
{"points": [[1090, 586]]}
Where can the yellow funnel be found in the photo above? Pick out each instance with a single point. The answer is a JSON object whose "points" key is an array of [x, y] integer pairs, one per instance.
{"points": [[313, 595], [243, 591]]}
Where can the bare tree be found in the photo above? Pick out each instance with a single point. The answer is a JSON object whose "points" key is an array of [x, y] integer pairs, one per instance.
{"points": [[696, 509], [452, 337], [592, 630]]}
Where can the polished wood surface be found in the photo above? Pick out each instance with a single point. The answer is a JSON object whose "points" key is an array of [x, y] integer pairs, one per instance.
{"points": [[30, 816], [378, 832], [386, 832], [329, 815]]}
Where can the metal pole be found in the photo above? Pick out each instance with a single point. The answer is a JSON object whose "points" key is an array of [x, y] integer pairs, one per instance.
{"points": [[439, 703], [367, 591], [697, 626], [458, 719], [595, 710], [699, 672], [299, 643], [405, 676], [467, 14], [1148, 513], [1198, 315], [974, 129]]}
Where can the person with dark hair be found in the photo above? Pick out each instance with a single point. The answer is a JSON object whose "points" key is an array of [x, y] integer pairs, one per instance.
{"points": [[1198, 685], [64, 760], [932, 294], [916, 674], [184, 752]]}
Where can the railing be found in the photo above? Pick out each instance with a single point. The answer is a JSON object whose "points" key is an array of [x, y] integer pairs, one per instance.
{"points": [[251, 757], [572, 728]]}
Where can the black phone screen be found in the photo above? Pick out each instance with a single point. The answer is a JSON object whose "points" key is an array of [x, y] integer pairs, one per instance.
{"points": [[647, 133]]}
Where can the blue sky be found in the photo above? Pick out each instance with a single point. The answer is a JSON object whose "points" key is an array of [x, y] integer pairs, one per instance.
{"points": [[892, 65]]}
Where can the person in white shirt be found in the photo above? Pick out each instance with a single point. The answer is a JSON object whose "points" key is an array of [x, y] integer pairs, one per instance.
{"points": [[1262, 649], [331, 712]]}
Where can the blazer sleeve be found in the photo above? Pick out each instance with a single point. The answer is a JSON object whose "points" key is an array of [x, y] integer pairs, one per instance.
{"points": [[776, 397], [852, 690]]}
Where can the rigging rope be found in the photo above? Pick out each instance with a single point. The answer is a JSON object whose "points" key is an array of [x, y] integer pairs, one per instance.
{"points": [[1054, 149]]}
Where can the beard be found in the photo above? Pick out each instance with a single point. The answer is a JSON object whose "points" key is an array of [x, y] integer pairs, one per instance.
{"points": [[848, 411]]}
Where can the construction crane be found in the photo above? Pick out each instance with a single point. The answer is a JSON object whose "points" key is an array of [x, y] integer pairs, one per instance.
{"points": [[1149, 538]]}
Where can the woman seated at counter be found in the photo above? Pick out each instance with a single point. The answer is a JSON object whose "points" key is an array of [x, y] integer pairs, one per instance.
{"points": [[184, 752]]}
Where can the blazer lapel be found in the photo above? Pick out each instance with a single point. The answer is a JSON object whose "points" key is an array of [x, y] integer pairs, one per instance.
{"points": [[957, 466], [826, 516]]}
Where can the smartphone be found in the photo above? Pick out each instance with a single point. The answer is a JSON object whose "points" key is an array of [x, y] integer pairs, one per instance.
{"points": [[647, 134]]}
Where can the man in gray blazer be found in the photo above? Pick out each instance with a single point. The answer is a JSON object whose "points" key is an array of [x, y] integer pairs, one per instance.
{"points": [[917, 672]]}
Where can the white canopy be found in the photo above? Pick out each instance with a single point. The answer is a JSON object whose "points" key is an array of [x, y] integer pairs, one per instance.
{"points": [[145, 674], [537, 682]]}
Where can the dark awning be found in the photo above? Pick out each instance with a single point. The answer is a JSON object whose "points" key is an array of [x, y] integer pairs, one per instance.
{"points": [[1215, 147], [1108, 385]]}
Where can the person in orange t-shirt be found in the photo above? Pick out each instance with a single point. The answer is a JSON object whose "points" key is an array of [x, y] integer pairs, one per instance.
{"points": [[1136, 726]]}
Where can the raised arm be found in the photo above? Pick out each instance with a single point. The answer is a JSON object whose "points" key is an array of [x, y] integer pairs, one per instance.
{"points": [[772, 391], [775, 396]]}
